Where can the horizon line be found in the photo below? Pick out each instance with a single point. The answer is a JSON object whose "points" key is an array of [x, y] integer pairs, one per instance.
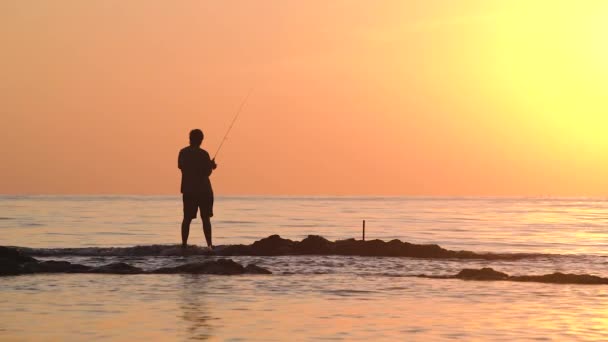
{"points": [[549, 197]]}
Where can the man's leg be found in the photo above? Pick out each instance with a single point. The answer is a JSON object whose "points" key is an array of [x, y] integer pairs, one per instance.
{"points": [[185, 231], [207, 229]]}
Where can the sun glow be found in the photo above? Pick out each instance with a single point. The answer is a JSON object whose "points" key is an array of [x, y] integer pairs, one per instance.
{"points": [[551, 60], [447, 97]]}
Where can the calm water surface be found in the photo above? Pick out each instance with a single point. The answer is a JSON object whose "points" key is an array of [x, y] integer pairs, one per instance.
{"points": [[310, 297]]}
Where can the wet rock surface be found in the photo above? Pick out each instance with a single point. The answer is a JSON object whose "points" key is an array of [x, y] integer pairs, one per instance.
{"points": [[14, 262], [489, 274], [275, 245], [485, 273], [317, 245], [562, 278]]}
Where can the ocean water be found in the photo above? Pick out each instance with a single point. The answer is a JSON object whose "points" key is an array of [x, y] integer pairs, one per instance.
{"points": [[310, 297]]}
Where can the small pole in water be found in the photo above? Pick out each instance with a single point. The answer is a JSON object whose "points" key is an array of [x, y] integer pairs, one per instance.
{"points": [[363, 230]]}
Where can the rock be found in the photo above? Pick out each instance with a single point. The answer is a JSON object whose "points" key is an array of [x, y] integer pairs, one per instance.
{"points": [[275, 245], [12, 261], [272, 245], [553, 278], [53, 266], [233, 250], [117, 268], [427, 251], [394, 247], [374, 248], [314, 244], [181, 251], [563, 278], [485, 273], [13, 254], [10, 267], [348, 247]]}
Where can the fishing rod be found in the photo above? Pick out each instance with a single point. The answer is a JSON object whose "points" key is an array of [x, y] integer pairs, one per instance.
{"points": [[238, 112]]}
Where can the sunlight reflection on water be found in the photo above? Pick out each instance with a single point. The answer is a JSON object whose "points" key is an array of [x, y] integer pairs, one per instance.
{"points": [[296, 307], [561, 226], [310, 297]]}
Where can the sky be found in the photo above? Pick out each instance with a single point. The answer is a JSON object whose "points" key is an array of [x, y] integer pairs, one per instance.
{"points": [[417, 98]]}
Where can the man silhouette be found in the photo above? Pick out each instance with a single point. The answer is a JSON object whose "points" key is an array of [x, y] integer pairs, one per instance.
{"points": [[196, 167]]}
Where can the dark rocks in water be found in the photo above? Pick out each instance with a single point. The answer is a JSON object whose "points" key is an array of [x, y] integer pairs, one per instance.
{"points": [[563, 278], [141, 251], [13, 262], [485, 273], [274, 245], [397, 248], [13, 254], [53, 266], [9, 267], [233, 250], [489, 274], [187, 251], [314, 244]]}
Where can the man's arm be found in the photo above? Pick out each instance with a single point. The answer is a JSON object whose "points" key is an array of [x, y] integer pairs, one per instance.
{"points": [[211, 165], [180, 161]]}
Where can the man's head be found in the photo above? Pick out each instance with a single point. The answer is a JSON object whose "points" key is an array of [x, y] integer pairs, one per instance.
{"points": [[196, 137]]}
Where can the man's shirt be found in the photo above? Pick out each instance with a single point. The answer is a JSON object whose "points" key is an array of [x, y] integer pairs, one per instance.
{"points": [[196, 167]]}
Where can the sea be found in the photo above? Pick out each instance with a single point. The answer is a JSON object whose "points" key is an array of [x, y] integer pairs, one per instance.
{"points": [[310, 298]]}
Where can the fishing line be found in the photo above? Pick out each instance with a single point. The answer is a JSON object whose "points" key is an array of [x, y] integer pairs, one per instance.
{"points": [[232, 123]]}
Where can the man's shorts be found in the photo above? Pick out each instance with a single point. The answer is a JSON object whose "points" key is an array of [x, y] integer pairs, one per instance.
{"points": [[195, 201]]}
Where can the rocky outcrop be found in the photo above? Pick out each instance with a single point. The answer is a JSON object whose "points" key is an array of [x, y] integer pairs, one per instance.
{"points": [[485, 273], [317, 245], [563, 278], [489, 274], [8, 254], [14, 262], [53, 266], [137, 251], [275, 245]]}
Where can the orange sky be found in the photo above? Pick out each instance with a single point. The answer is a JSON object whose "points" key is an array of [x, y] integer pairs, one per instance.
{"points": [[494, 98]]}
